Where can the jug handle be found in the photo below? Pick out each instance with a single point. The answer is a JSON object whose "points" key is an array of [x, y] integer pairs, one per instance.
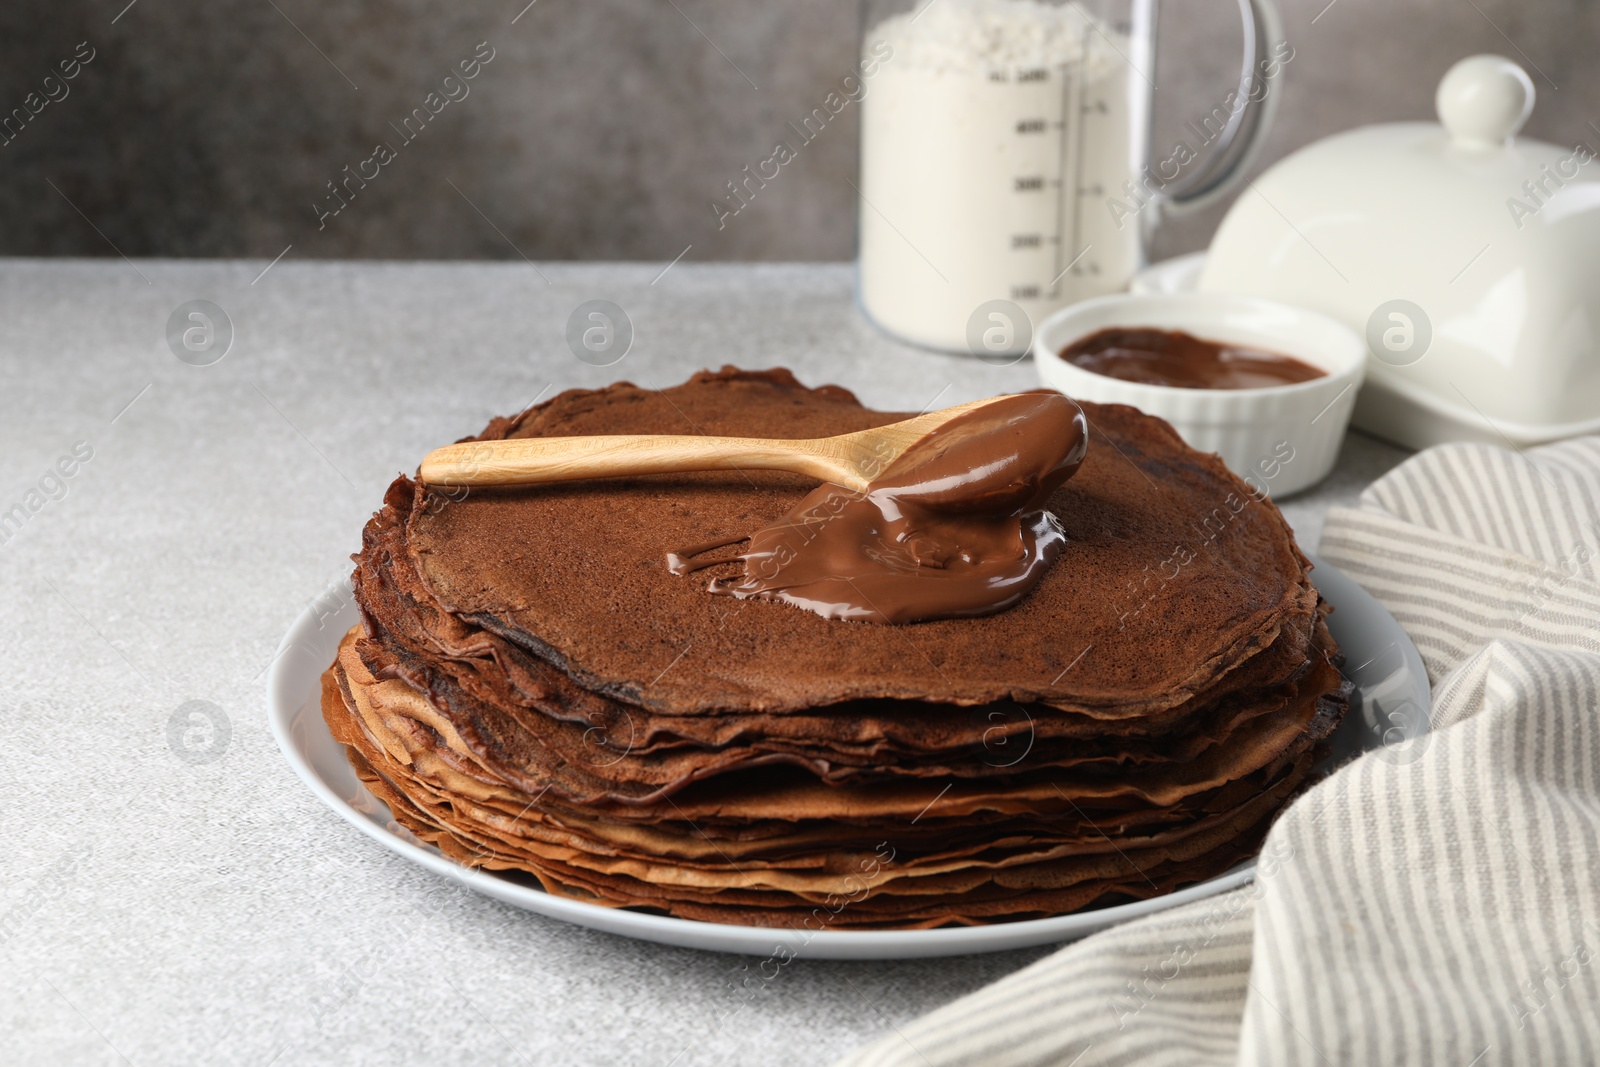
{"points": [[1243, 137]]}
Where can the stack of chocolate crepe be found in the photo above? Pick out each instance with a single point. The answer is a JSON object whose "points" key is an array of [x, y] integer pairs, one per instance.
{"points": [[532, 690]]}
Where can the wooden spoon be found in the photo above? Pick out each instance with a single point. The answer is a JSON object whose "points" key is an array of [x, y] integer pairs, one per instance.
{"points": [[850, 460]]}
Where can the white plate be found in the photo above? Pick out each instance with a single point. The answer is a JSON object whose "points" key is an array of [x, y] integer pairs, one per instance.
{"points": [[1390, 704]]}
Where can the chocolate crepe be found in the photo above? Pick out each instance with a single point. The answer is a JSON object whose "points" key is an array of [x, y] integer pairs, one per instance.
{"points": [[532, 690]]}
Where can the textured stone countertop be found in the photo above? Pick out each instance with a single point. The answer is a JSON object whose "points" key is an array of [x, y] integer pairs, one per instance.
{"points": [[155, 910]]}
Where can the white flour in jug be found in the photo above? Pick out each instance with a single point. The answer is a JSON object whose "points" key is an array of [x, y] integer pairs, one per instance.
{"points": [[990, 143]]}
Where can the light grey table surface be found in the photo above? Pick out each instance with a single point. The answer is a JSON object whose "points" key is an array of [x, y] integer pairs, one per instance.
{"points": [[160, 911]]}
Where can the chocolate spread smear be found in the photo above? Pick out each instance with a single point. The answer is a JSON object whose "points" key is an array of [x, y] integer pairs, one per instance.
{"points": [[956, 526]]}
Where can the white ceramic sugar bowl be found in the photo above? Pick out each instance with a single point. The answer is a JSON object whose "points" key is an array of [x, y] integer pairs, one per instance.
{"points": [[1468, 258]]}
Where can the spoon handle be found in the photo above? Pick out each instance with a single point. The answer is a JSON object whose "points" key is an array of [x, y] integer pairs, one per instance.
{"points": [[531, 460]]}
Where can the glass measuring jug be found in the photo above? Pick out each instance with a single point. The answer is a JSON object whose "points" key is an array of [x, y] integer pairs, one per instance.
{"points": [[1005, 160]]}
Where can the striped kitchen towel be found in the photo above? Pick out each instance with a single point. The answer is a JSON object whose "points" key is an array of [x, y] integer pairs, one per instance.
{"points": [[1433, 903]]}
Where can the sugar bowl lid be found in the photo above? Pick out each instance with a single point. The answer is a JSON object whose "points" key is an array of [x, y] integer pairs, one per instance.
{"points": [[1469, 258]]}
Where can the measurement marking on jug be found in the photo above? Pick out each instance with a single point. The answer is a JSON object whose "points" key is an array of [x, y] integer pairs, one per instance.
{"points": [[1074, 263], [1067, 106], [1031, 184], [1077, 158]]}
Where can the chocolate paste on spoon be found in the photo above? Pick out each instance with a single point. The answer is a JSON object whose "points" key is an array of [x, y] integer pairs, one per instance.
{"points": [[956, 526]]}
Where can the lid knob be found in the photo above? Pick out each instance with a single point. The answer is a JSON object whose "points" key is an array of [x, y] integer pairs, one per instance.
{"points": [[1484, 100]]}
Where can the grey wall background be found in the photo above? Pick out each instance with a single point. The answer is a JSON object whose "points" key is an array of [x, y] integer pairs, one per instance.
{"points": [[601, 128]]}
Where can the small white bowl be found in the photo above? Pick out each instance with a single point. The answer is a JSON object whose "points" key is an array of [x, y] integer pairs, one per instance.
{"points": [[1280, 439]]}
